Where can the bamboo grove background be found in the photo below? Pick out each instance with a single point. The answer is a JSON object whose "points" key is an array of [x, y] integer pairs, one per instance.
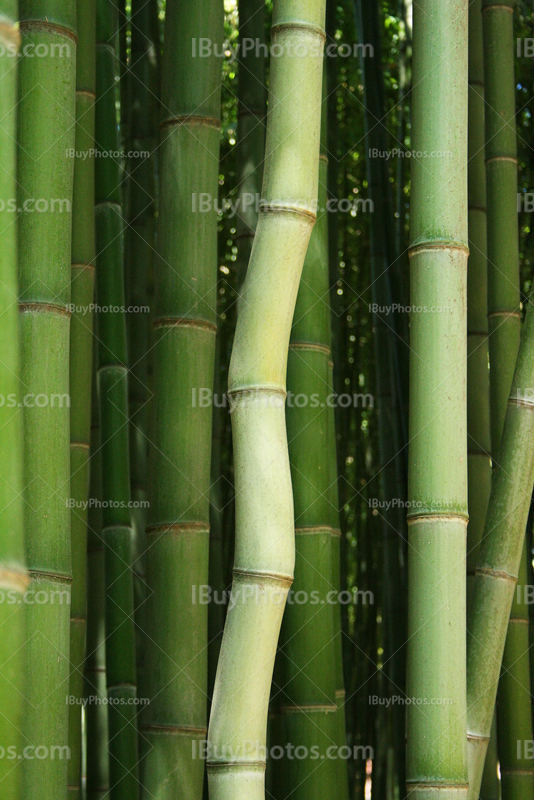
{"points": [[123, 670]]}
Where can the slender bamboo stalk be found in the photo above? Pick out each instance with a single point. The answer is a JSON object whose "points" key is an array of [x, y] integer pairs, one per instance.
{"points": [[308, 702], [141, 243], [499, 558], [265, 549], [478, 410], [504, 323], [112, 386], [514, 715], [184, 351], [45, 135], [504, 315], [81, 366], [96, 714], [13, 575], [437, 520]]}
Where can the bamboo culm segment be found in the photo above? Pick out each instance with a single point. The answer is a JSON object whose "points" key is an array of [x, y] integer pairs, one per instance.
{"points": [[185, 272], [45, 135], [265, 547], [499, 559], [437, 488], [81, 346], [112, 388], [13, 575]]}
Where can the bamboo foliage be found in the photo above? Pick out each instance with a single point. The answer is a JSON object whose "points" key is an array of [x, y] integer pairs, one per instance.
{"points": [[45, 171], [265, 550], [112, 387], [437, 490], [13, 575], [184, 350], [81, 344]]}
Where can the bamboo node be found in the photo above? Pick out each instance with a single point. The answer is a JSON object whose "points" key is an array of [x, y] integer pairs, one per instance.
{"points": [[177, 528], [184, 322], [510, 159], [433, 246], [43, 308], [252, 576], [39, 24], [418, 518], [295, 26], [190, 119], [495, 573], [310, 346], [274, 208]]}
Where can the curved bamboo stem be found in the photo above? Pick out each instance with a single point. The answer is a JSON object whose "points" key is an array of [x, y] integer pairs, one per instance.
{"points": [[13, 575], [437, 753], [81, 365], [265, 549], [500, 556], [184, 352], [112, 386], [45, 135]]}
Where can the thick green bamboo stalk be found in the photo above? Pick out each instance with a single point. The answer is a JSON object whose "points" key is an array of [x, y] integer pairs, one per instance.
{"points": [[500, 556], [308, 702], [96, 713], [184, 351], [265, 548], [112, 387], [141, 243], [46, 132], [13, 576], [81, 366], [437, 519]]}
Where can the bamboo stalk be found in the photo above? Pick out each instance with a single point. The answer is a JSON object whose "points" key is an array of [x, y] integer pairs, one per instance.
{"points": [[45, 135], [499, 558], [308, 702], [112, 386], [13, 575], [436, 747], [96, 713], [265, 549], [140, 238], [184, 351], [81, 346]]}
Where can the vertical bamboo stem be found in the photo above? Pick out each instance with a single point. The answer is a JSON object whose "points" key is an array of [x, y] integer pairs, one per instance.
{"points": [[265, 549], [184, 351], [500, 556], [81, 365], [45, 135], [436, 754], [13, 575], [112, 386]]}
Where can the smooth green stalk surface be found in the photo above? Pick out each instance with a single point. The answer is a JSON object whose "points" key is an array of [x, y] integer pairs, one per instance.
{"points": [[265, 547], [174, 723], [437, 519], [13, 575], [500, 556], [46, 130], [81, 367], [112, 387]]}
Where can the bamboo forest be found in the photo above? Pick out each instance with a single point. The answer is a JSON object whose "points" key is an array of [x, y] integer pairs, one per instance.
{"points": [[266, 399]]}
